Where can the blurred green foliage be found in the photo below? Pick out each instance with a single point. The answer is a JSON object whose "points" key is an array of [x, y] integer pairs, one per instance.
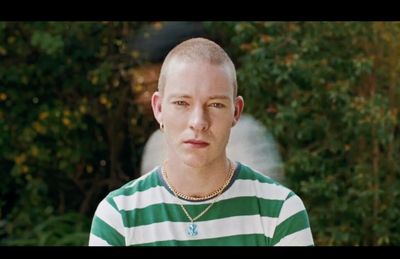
{"points": [[70, 131], [329, 92], [69, 229], [66, 131]]}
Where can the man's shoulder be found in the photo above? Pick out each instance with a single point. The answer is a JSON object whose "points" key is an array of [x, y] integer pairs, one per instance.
{"points": [[140, 184], [249, 173]]}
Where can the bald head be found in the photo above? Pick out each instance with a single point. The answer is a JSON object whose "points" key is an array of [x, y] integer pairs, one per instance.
{"points": [[197, 50]]}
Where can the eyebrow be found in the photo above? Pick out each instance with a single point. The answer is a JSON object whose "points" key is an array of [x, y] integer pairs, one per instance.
{"points": [[219, 97], [184, 96]]}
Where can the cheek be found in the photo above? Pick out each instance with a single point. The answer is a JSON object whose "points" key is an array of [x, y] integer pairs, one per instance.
{"points": [[223, 129], [174, 122]]}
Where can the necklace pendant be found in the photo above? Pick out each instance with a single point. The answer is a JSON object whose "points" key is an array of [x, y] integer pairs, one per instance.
{"points": [[192, 230]]}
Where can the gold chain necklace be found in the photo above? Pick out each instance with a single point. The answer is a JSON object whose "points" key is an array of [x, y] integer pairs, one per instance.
{"points": [[192, 228], [206, 197]]}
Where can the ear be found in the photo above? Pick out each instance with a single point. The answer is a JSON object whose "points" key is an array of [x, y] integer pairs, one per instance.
{"points": [[239, 104], [156, 104]]}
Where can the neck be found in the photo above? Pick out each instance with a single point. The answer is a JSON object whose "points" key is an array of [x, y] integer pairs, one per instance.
{"points": [[197, 181]]}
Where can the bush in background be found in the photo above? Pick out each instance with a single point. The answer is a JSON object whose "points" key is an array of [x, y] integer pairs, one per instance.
{"points": [[329, 92], [69, 129]]}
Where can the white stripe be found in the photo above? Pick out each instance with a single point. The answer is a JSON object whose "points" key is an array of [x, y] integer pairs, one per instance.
{"points": [[239, 225], [96, 241], [240, 188], [111, 216], [269, 225], [299, 238], [142, 199], [290, 207], [268, 191]]}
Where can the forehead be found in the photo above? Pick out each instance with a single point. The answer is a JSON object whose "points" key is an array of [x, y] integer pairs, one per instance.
{"points": [[198, 78]]}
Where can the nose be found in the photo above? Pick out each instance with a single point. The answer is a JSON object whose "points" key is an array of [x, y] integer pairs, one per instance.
{"points": [[199, 120]]}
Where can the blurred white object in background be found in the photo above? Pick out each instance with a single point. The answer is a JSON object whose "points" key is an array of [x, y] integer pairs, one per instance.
{"points": [[250, 143]]}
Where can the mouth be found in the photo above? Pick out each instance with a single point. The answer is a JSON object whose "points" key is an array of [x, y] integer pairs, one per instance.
{"points": [[195, 143]]}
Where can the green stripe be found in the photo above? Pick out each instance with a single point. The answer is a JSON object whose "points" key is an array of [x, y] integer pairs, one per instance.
{"points": [[153, 214], [290, 195], [237, 240], [247, 173], [294, 223], [241, 206], [106, 232], [151, 180], [111, 201]]}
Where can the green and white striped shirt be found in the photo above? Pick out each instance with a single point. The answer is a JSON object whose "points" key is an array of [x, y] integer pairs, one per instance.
{"points": [[254, 210]]}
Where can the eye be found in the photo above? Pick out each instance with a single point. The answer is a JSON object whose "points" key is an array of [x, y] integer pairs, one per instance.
{"points": [[180, 103], [217, 105]]}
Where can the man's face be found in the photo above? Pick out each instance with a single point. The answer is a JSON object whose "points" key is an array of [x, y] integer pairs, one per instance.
{"points": [[198, 111]]}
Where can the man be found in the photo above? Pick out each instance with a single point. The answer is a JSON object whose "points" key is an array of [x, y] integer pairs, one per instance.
{"points": [[198, 196]]}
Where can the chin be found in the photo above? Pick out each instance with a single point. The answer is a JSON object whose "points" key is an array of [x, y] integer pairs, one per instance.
{"points": [[194, 161]]}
